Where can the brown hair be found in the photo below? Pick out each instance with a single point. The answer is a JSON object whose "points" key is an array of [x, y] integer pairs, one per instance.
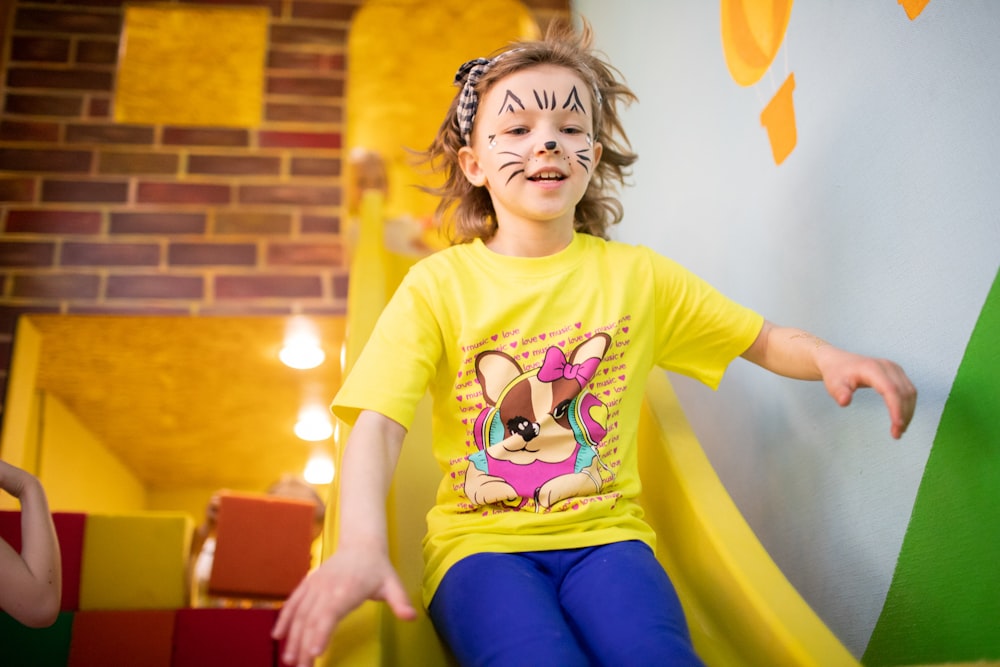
{"points": [[470, 208]]}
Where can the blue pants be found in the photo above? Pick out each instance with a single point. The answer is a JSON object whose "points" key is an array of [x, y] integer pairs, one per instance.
{"points": [[609, 605]]}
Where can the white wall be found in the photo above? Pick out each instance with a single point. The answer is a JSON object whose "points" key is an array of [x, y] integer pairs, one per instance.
{"points": [[880, 233]]}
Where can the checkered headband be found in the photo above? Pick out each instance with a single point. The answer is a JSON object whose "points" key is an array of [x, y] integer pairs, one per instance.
{"points": [[468, 76]]}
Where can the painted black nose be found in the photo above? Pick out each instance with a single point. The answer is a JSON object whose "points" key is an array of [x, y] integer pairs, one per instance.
{"points": [[550, 145]]}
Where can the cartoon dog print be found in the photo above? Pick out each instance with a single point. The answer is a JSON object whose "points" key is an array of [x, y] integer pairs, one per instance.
{"points": [[538, 437]]}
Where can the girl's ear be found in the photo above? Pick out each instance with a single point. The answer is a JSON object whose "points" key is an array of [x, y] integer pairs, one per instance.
{"points": [[598, 151], [469, 164]]}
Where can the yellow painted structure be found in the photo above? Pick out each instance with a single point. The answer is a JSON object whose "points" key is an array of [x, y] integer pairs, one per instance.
{"points": [[191, 65]]}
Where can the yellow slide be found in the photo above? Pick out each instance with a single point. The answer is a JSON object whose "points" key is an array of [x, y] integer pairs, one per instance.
{"points": [[741, 609]]}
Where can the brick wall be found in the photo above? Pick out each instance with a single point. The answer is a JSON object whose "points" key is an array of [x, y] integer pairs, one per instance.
{"points": [[99, 217]]}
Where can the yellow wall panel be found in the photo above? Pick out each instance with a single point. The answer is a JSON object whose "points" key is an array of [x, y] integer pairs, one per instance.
{"points": [[192, 66]]}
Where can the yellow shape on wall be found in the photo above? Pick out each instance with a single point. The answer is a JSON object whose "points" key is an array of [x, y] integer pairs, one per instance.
{"points": [[200, 66]]}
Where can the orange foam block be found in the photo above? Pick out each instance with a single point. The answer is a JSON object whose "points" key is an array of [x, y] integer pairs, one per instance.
{"points": [[212, 637], [122, 638], [262, 545], [135, 561]]}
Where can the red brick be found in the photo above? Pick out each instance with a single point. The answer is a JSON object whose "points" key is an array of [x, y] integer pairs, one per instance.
{"points": [[67, 21], [44, 105], [40, 49], [17, 159], [212, 254], [109, 254], [17, 189], [99, 107], [64, 79], [16, 130], [312, 62], [252, 222], [26, 253], [53, 222], [263, 286], [297, 195], [323, 10], [84, 191], [109, 134], [234, 164], [306, 34], [137, 163], [339, 284], [56, 286], [157, 223], [271, 139], [183, 193], [320, 224], [304, 113], [305, 86], [315, 166], [97, 52], [305, 254], [154, 287], [193, 136]]}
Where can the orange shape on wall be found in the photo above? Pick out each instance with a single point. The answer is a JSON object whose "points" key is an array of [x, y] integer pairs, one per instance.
{"points": [[914, 7], [752, 34], [779, 119]]}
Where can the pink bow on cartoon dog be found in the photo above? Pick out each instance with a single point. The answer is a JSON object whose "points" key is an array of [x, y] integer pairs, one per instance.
{"points": [[556, 367]]}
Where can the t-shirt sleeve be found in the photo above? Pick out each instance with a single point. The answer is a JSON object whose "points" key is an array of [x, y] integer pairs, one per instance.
{"points": [[699, 330], [399, 359]]}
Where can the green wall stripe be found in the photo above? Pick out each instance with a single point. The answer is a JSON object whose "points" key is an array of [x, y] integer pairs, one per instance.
{"points": [[943, 603]]}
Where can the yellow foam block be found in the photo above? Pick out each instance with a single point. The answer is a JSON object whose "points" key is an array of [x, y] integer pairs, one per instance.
{"points": [[135, 561]]}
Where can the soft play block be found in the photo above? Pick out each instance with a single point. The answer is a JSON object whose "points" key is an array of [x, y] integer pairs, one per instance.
{"points": [[21, 646], [212, 637], [135, 561], [263, 545], [69, 530], [122, 638]]}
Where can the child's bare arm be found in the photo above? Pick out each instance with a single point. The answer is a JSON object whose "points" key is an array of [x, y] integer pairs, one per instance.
{"points": [[360, 569], [798, 354], [30, 582]]}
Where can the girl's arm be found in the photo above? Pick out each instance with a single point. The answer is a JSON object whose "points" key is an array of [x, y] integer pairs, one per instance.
{"points": [[360, 569], [30, 582], [797, 354]]}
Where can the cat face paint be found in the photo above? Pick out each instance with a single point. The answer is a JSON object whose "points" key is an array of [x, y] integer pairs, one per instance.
{"points": [[533, 140]]}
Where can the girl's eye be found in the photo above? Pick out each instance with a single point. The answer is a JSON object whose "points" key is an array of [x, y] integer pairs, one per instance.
{"points": [[572, 130], [517, 130]]}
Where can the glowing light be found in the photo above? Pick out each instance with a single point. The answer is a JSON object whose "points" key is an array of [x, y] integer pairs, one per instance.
{"points": [[319, 469], [314, 424], [301, 349]]}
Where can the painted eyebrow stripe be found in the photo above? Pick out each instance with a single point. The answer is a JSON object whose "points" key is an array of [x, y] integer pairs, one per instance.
{"points": [[545, 102], [574, 100], [509, 105]]}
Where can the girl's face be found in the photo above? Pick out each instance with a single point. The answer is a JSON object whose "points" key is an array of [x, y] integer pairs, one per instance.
{"points": [[533, 146]]}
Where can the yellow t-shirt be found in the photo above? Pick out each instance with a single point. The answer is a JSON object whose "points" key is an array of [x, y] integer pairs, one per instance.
{"points": [[537, 368]]}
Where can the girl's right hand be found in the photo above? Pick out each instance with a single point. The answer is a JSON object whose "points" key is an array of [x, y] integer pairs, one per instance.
{"points": [[327, 595]]}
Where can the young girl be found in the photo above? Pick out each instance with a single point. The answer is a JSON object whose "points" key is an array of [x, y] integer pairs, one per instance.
{"points": [[535, 335]]}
